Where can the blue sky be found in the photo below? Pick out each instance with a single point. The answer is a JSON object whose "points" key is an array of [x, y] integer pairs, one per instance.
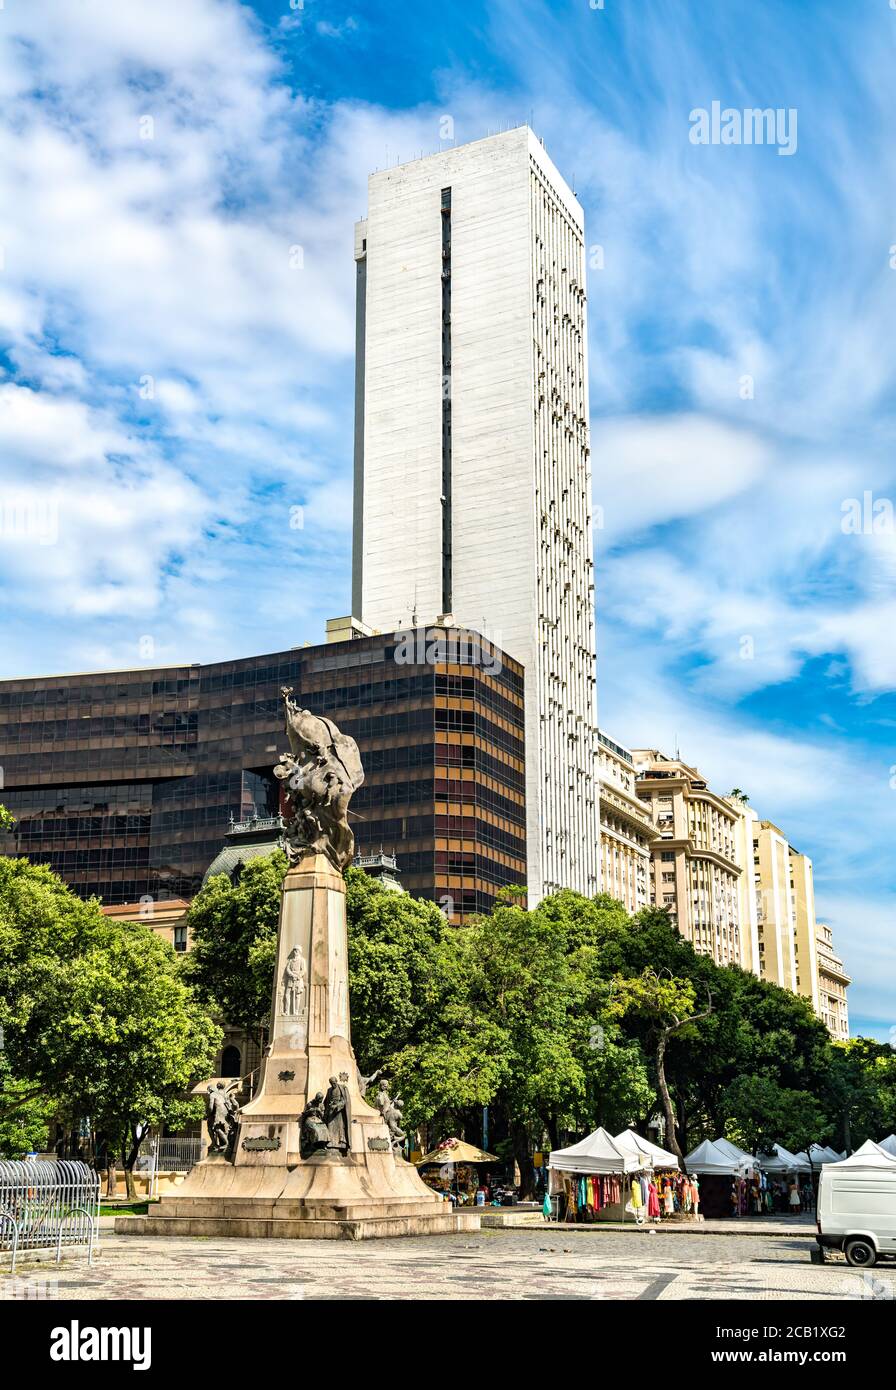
{"points": [[175, 379]]}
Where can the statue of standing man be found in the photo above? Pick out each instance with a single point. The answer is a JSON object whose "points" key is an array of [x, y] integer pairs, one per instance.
{"points": [[295, 984], [216, 1118], [338, 1116]]}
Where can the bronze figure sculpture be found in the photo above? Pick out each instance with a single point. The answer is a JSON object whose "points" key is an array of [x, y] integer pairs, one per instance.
{"points": [[321, 773], [313, 1132], [338, 1116]]}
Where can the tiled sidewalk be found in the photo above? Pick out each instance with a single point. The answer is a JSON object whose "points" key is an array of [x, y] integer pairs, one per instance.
{"points": [[550, 1263]]}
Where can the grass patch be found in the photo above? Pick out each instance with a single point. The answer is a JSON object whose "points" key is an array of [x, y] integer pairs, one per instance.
{"points": [[125, 1209]]}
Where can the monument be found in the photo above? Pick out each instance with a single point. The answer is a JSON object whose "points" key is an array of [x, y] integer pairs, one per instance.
{"points": [[308, 1156]]}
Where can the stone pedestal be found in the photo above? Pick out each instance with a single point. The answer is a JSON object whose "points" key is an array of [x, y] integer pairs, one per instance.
{"points": [[270, 1189]]}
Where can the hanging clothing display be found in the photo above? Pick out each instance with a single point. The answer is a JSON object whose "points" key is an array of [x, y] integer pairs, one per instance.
{"points": [[647, 1196], [589, 1193]]}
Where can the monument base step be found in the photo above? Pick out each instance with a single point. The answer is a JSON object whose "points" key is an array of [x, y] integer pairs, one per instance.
{"points": [[367, 1227], [297, 1209]]}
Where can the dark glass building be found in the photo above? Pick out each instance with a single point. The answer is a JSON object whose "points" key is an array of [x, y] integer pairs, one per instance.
{"points": [[125, 782]]}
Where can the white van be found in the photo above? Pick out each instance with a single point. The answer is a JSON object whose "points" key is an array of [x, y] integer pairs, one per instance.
{"points": [[856, 1210]]}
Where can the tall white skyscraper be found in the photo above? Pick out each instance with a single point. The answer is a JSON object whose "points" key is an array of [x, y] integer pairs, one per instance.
{"points": [[472, 472]]}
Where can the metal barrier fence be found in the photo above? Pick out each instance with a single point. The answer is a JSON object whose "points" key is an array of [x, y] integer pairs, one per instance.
{"points": [[47, 1206], [169, 1155]]}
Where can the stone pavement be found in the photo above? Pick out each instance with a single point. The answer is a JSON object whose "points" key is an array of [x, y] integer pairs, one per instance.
{"points": [[549, 1263], [748, 1226]]}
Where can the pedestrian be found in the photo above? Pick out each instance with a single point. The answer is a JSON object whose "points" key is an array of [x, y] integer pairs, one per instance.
{"points": [[794, 1199]]}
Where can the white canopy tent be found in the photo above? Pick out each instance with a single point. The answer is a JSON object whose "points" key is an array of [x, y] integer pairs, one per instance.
{"points": [[781, 1160], [596, 1154], [889, 1145], [734, 1152], [650, 1155], [818, 1155], [870, 1155], [712, 1161]]}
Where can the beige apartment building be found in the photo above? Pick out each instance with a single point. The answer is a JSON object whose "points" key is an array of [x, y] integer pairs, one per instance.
{"points": [[833, 983], [747, 885], [781, 939], [695, 870], [626, 828], [788, 949]]}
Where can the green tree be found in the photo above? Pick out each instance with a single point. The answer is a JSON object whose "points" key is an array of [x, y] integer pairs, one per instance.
{"points": [[755, 1027], [668, 1005], [404, 970], [535, 981], [26, 1118], [762, 1113], [860, 1091], [96, 1016], [233, 930]]}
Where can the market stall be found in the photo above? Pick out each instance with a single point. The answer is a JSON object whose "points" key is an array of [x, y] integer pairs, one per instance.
{"points": [[721, 1175], [607, 1178], [734, 1151], [461, 1172], [817, 1155], [633, 1144], [752, 1192], [789, 1178], [593, 1180], [820, 1155], [676, 1194], [889, 1145], [781, 1160]]}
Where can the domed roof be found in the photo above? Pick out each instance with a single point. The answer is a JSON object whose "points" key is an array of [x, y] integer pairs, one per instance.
{"points": [[246, 840]]}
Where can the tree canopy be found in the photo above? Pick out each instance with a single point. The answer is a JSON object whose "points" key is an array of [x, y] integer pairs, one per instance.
{"points": [[555, 1018], [98, 1021]]}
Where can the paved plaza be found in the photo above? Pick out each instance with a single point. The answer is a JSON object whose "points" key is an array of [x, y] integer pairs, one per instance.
{"points": [[551, 1263]]}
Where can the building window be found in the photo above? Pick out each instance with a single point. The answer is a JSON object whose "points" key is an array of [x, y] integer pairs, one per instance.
{"points": [[180, 939], [231, 1062], [447, 576]]}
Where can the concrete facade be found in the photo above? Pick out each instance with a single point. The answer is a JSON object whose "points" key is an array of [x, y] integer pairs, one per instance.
{"points": [[771, 858], [474, 470], [749, 905], [696, 873], [795, 952], [833, 983], [626, 829]]}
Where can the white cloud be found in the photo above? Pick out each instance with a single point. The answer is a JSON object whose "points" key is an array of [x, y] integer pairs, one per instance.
{"points": [[89, 514], [174, 257], [63, 433], [655, 470]]}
